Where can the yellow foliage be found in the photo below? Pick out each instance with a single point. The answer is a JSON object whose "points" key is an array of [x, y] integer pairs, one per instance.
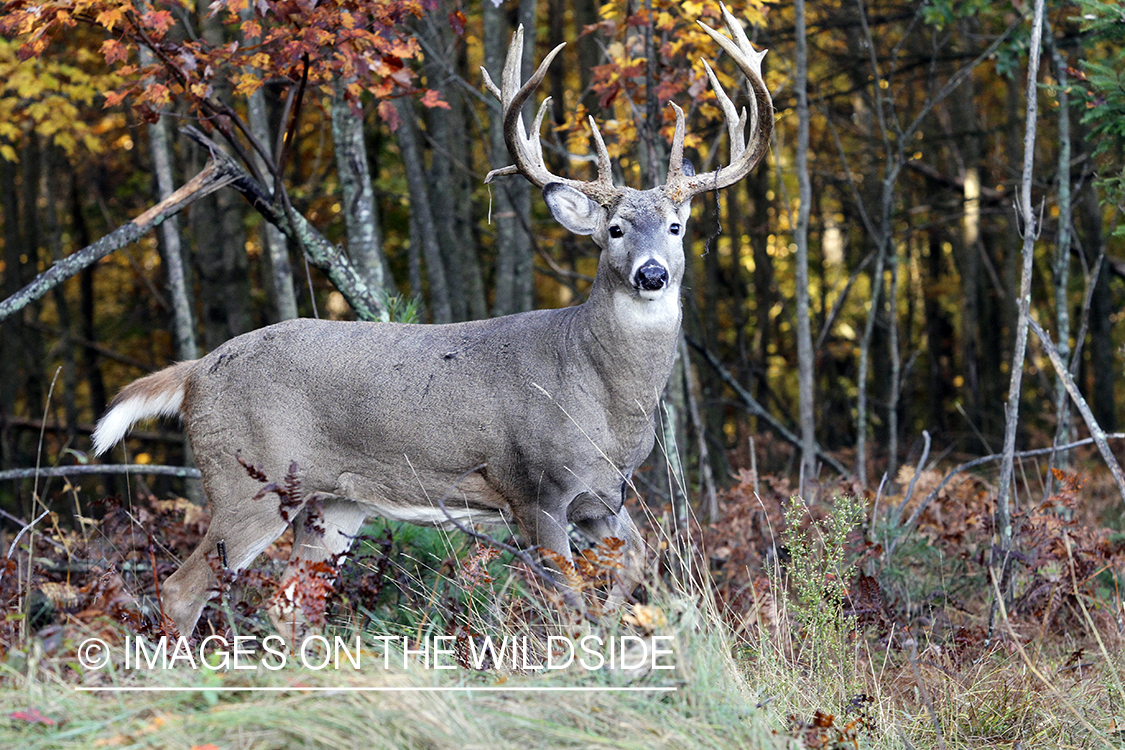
{"points": [[52, 97], [248, 83]]}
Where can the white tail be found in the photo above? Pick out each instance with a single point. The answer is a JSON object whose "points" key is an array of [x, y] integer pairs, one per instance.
{"points": [[539, 418], [158, 395]]}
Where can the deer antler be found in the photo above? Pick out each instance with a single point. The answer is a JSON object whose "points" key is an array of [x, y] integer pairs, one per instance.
{"points": [[526, 149], [743, 156]]}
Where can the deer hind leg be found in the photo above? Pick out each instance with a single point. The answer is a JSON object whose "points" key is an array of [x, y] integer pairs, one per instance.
{"points": [[237, 534], [322, 532]]}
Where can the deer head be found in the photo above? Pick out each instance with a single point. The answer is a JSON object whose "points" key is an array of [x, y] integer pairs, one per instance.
{"points": [[640, 232]]}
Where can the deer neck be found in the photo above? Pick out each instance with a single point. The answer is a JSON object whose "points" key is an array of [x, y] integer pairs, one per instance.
{"points": [[630, 342]]}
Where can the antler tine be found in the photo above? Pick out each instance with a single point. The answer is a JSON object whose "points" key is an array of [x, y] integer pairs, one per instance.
{"points": [[736, 125], [744, 156], [603, 185], [676, 158], [526, 148]]}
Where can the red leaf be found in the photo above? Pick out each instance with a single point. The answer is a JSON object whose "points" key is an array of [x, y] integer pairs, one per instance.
{"points": [[433, 99], [158, 20], [113, 98], [389, 115], [457, 22], [32, 716]]}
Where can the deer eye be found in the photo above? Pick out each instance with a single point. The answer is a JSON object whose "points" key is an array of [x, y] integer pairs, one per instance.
{"points": [[615, 231], [674, 229]]}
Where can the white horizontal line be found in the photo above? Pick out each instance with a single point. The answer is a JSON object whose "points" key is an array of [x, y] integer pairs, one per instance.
{"points": [[405, 689]]}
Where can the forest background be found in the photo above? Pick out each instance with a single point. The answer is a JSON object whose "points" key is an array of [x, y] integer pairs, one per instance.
{"points": [[371, 123], [912, 189]]}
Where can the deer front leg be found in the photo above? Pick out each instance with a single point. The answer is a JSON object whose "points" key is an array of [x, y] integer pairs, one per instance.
{"points": [[546, 530], [236, 535], [618, 525]]}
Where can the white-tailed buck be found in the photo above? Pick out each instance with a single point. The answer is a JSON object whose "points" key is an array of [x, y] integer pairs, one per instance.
{"points": [[554, 408]]}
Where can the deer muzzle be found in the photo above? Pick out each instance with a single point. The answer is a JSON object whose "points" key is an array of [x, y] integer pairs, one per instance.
{"points": [[652, 276]]}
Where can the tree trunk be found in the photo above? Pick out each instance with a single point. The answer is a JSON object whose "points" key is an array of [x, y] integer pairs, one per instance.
{"points": [[11, 328], [450, 178], [183, 322], [221, 262], [1064, 429], [1103, 364], [52, 175], [514, 284], [421, 212], [801, 237], [279, 269], [1027, 218], [365, 238]]}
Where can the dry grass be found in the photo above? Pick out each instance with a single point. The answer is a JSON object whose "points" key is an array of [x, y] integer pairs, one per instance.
{"points": [[762, 660]]}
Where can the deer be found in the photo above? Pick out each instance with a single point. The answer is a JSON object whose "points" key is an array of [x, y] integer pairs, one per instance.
{"points": [[538, 418]]}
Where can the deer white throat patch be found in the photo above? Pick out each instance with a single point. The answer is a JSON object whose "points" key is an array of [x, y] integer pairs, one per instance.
{"points": [[662, 310]]}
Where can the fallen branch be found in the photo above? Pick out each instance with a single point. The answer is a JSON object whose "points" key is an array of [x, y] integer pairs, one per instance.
{"points": [[1096, 432], [185, 472], [221, 171], [85, 428], [977, 462]]}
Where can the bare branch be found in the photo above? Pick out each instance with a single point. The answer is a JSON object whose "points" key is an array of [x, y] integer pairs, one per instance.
{"points": [[184, 472], [213, 176]]}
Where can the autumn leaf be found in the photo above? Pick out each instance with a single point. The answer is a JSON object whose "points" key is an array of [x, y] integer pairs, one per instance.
{"points": [[111, 17], [159, 94], [248, 83], [32, 716], [457, 22], [433, 99], [158, 20], [113, 98], [114, 51], [388, 114]]}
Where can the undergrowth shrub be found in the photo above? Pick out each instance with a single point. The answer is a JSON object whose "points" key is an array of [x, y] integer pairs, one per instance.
{"points": [[819, 572]]}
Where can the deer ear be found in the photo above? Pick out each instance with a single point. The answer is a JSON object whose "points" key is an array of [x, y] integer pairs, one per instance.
{"points": [[572, 208]]}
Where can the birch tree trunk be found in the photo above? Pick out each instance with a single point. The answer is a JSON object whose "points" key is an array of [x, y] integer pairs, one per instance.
{"points": [[280, 285], [1064, 430], [361, 214], [183, 322]]}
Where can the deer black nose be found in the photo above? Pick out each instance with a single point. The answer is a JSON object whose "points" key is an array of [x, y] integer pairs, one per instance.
{"points": [[651, 276]]}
